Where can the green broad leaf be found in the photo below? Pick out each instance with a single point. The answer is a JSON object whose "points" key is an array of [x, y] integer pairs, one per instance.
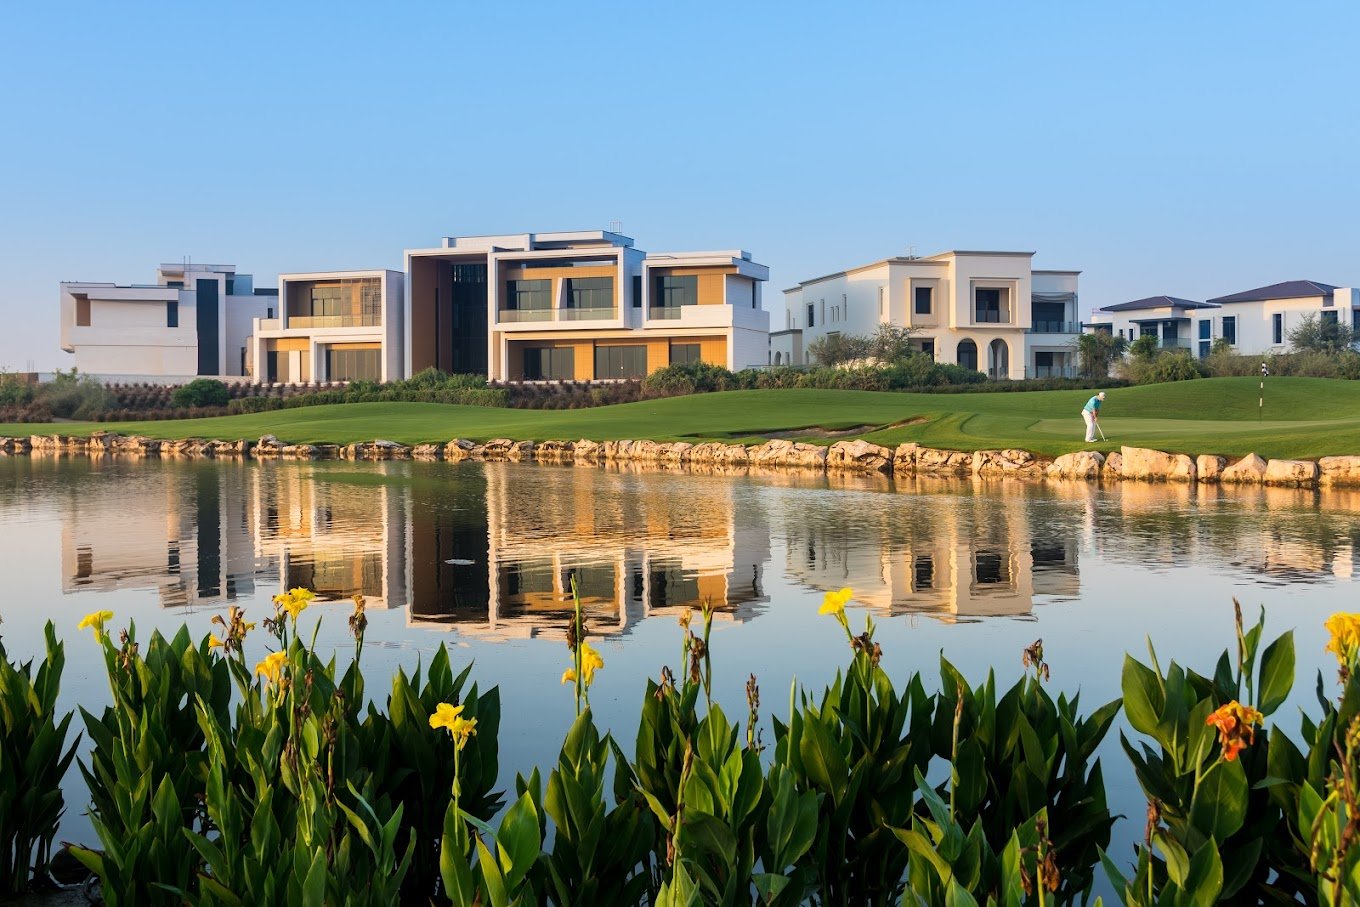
{"points": [[769, 886], [1177, 860], [920, 845], [1204, 882], [957, 896], [519, 840], [314, 885], [1143, 696], [496, 890], [1277, 674], [822, 760], [1219, 804]]}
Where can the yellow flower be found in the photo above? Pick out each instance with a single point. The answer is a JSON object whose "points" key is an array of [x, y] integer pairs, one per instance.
{"points": [[1345, 641], [590, 663], [569, 675], [272, 666], [95, 620], [451, 718], [214, 642], [295, 600], [834, 603], [1235, 727], [685, 618]]}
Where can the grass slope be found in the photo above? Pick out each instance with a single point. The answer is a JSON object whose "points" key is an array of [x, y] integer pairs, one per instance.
{"points": [[1303, 417]]}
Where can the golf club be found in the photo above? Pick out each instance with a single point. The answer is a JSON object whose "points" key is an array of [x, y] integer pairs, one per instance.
{"points": [[1101, 430]]}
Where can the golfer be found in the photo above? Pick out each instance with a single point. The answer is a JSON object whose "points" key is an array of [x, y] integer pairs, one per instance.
{"points": [[1091, 413]]}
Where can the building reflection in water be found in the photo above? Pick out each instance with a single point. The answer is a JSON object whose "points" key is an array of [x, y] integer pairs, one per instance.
{"points": [[490, 549], [943, 551]]}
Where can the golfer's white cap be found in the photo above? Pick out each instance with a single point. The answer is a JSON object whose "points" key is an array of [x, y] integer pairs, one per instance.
{"points": [[1101, 395]]}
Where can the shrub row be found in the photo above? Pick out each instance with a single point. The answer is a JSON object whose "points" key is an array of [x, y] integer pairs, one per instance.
{"points": [[215, 783]]}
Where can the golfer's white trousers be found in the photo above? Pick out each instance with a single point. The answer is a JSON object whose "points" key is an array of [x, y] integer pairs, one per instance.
{"points": [[1090, 418]]}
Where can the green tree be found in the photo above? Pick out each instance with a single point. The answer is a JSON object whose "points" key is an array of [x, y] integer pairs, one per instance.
{"points": [[892, 343], [837, 349], [1097, 351], [1314, 335], [1144, 348]]}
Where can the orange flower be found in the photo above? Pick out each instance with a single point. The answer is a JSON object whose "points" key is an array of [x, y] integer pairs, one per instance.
{"points": [[1236, 731]]}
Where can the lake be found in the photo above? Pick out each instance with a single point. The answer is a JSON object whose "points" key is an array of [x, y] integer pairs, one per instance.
{"points": [[478, 556]]}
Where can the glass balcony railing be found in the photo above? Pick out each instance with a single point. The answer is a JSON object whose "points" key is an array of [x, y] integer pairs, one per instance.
{"points": [[334, 321], [664, 312], [586, 314], [1053, 371], [1055, 327], [515, 316]]}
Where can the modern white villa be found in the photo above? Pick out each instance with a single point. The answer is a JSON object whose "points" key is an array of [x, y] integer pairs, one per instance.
{"points": [[579, 306], [332, 326], [988, 311], [196, 319], [1254, 322]]}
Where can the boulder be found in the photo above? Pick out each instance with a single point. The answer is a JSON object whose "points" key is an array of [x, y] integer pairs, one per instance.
{"points": [[553, 451], [1250, 470], [1083, 464], [676, 453], [859, 456], [520, 451], [268, 446], [101, 442], [1009, 462], [458, 449], [1155, 465], [301, 452], [1210, 467], [1295, 473], [1339, 470], [784, 453], [943, 462], [497, 449], [428, 452], [904, 458], [587, 451]]}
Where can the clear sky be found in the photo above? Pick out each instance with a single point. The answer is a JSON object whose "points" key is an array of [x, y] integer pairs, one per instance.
{"points": [[1194, 149]]}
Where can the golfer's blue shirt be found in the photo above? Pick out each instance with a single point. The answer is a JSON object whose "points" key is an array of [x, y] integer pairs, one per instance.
{"points": [[1092, 405]]}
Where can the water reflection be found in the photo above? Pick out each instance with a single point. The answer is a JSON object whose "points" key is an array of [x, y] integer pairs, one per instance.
{"points": [[490, 549]]}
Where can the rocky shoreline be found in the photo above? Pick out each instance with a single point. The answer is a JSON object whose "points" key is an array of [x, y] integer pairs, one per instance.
{"points": [[1129, 463]]}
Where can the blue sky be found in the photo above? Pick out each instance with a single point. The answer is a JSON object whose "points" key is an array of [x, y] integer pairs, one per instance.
{"points": [[1191, 149]]}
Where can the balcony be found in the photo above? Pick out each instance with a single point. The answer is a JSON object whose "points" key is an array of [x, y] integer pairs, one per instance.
{"points": [[518, 316], [587, 314], [707, 316], [306, 322], [268, 324], [664, 312], [1052, 371], [1054, 327]]}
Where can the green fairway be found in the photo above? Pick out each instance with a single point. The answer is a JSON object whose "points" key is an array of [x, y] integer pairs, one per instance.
{"points": [[1303, 417]]}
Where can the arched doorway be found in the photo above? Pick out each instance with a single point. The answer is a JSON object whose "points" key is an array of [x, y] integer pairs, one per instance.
{"points": [[967, 354], [998, 360]]}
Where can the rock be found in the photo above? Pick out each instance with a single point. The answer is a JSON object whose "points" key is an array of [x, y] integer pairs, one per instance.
{"points": [[300, 452], [238, 448], [1156, 465], [1210, 467], [428, 452], [1250, 470], [377, 449], [496, 449], [904, 458], [1339, 470], [1009, 462], [521, 451], [101, 442], [1083, 464], [268, 446], [677, 453], [553, 451], [859, 456], [587, 451], [1295, 473], [784, 453], [458, 449], [943, 462]]}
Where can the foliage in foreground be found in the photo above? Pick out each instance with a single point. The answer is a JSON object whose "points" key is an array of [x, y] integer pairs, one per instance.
{"points": [[215, 783]]}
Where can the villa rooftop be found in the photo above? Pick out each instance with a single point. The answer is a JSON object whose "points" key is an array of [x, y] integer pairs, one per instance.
{"points": [[1290, 289], [1157, 302]]}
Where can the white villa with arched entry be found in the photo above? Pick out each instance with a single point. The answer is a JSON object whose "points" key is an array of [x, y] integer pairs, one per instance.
{"points": [[988, 311]]}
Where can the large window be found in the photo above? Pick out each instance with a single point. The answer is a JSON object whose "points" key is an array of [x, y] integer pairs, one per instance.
{"points": [[812, 322], [685, 353], [1204, 327], [924, 300], [967, 355], [671, 293], [172, 313], [1230, 329], [528, 295], [987, 305], [543, 363], [1277, 327], [353, 365], [590, 292], [621, 361]]}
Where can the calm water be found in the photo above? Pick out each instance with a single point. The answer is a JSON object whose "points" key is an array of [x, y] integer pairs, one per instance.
{"points": [[476, 556]]}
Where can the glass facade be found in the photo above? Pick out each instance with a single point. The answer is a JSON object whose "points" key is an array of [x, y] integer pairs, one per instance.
{"points": [[590, 292], [546, 363], [621, 361], [685, 353], [1230, 329], [528, 295], [987, 305], [353, 365], [343, 303], [671, 291]]}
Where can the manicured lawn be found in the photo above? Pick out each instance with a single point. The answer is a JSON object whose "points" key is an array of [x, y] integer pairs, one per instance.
{"points": [[1303, 417]]}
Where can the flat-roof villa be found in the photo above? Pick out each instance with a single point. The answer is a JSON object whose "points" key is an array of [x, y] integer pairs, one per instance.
{"points": [[590, 306], [1252, 322]]}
